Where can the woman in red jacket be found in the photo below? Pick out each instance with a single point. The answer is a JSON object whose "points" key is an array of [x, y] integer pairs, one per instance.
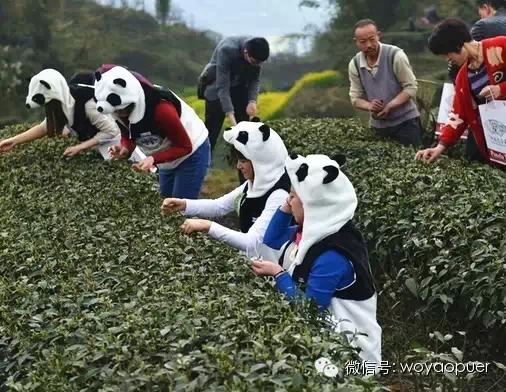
{"points": [[482, 77]]}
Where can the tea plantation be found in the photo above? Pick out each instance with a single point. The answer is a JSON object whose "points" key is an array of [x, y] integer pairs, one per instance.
{"points": [[99, 291]]}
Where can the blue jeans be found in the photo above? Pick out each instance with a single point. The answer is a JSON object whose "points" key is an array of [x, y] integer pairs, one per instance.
{"points": [[185, 181]]}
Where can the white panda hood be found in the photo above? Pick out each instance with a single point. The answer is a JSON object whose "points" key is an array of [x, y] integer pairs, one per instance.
{"points": [[266, 151], [118, 88], [47, 85], [327, 195]]}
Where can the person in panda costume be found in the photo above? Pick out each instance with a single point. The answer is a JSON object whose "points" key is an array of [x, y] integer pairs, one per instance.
{"points": [[324, 253], [68, 106], [261, 155], [161, 125]]}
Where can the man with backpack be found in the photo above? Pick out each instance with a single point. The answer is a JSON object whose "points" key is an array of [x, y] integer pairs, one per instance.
{"points": [[231, 81]]}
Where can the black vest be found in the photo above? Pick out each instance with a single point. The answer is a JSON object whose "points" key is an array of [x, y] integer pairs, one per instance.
{"points": [[153, 95], [351, 244], [82, 126], [252, 208]]}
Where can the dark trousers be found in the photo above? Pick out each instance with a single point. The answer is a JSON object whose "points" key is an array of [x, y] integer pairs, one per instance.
{"points": [[472, 150], [215, 116], [407, 132]]}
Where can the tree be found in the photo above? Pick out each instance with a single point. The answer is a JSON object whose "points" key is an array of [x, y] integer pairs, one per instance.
{"points": [[347, 12], [163, 11]]}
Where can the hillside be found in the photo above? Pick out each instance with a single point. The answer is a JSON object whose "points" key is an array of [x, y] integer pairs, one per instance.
{"points": [[81, 35]]}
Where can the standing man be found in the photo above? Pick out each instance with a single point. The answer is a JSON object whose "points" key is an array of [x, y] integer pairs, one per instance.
{"points": [[231, 81], [382, 82], [492, 24]]}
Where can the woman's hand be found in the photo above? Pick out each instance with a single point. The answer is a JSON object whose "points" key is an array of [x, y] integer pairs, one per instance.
{"points": [[429, 155], [72, 151], [195, 225], [118, 152], [171, 205], [145, 165], [7, 144], [266, 268], [490, 92]]}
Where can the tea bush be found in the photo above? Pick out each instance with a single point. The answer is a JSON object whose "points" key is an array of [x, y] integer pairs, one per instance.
{"points": [[437, 230], [99, 291]]}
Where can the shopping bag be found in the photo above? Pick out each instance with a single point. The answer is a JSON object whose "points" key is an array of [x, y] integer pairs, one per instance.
{"points": [[493, 120], [445, 108]]}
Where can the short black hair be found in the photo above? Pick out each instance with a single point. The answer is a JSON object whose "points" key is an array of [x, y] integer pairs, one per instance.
{"points": [[363, 23], [258, 48], [449, 36], [495, 4], [82, 77]]}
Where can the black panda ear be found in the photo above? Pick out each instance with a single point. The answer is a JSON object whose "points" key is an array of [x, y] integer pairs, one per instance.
{"points": [[228, 128], [98, 76], [242, 137], [301, 172], [120, 82], [339, 158], [114, 99], [266, 131], [332, 174], [45, 84], [255, 119], [294, 156]]}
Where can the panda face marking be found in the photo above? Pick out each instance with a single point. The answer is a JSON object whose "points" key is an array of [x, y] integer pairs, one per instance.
{"points": [[332, 173], [266, 132], [114, 99], [301, 172], [242, 137], [120, 82], [39, 99]]}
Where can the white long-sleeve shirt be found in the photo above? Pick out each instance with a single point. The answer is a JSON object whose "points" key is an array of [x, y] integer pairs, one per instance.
{"points": [[211, 208], [105, 124]]}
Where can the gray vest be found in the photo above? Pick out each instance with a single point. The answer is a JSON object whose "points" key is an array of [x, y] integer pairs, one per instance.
{"points": [[385, 86]]}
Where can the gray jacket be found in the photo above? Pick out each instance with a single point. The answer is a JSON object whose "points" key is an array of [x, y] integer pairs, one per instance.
{"points": [[228, 68], [490, 27]]}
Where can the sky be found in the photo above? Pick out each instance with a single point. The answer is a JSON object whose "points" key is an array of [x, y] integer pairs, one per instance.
{"points": [[268, 18]]}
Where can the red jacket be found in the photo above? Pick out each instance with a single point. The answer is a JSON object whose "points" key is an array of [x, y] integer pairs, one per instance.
{"points": [[464, 110], [167, 120]]}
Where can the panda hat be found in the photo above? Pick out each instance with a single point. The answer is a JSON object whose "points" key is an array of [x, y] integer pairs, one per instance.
{"points": [[47, 85], [327, 195], [264, 148], [118, 88]]}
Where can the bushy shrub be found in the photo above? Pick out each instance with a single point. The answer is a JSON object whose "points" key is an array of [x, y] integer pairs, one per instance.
{"points": [[11, 73], [437, 230], [99, 291]]}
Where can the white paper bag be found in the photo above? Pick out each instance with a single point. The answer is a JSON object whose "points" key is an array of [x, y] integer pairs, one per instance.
{"points": [[445, 107], [493, 120], [104, 145]]}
